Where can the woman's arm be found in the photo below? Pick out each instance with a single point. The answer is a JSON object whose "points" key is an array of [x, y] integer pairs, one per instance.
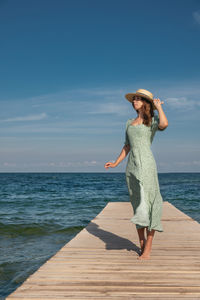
{"points": [[162, 117], [123, 154]]}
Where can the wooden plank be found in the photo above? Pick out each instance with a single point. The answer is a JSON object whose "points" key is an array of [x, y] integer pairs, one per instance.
{"points": [[100, 262]]}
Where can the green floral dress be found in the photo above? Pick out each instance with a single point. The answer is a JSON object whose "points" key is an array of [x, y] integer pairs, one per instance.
{"points": [[142, 177]]}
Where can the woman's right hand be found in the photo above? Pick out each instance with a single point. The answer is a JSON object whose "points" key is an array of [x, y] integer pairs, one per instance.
{"points": [[110, 165]]}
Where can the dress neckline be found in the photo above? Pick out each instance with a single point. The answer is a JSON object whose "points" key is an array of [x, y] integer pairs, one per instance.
{"points": [[136, 124]]}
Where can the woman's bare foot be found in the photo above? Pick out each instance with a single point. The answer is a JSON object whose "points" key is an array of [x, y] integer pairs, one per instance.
{"points": [[148, 244], [144, 256]]}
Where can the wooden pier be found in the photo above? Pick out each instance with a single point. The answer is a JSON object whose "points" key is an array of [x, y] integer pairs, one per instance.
{"points": [[100, 262]]}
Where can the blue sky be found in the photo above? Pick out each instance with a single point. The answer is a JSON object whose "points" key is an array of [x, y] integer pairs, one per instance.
{"points": [[66, 66]]}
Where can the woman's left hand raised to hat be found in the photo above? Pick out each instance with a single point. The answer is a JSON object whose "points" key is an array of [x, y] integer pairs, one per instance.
{"points": [[157, 102]]}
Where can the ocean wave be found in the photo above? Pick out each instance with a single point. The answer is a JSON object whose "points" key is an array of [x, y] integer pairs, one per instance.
{"points": [[15, 230]]}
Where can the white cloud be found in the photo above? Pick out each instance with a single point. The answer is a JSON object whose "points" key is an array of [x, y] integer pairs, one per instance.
{"points": [[188, 163], [110, 108], [6, 164], [90, 163], [98, 101], [78, 163], [26, 118], [88, 110], [182, 102], [196, 16], [61, 164]]}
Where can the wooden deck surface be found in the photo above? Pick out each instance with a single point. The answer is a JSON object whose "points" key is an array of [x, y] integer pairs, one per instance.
{"points": [[100, 262]]}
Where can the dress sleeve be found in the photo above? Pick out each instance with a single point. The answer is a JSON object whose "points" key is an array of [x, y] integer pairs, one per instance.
{"points": [[126, 142], [155, 123]]}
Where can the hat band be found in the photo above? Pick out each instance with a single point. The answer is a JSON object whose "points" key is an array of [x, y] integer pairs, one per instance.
{"points": [[144, 95]]}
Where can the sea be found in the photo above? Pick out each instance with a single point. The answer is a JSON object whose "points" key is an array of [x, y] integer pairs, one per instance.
{"points": [[41, 212]]}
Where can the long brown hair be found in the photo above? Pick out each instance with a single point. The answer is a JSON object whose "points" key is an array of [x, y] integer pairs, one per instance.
{"points": [[147, 111]]}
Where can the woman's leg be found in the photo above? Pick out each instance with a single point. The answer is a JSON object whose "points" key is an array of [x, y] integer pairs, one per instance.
{"points": [[148, 245], [142, 239]]}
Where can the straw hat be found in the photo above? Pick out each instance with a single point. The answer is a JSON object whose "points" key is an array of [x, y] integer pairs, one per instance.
{"points": [[142, 93]]}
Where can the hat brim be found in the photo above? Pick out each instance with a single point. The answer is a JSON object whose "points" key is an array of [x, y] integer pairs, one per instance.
{"points": [[130, 96]]}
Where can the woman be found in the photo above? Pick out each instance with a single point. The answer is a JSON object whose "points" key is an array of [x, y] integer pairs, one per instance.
{"points": [[141, 169]]}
